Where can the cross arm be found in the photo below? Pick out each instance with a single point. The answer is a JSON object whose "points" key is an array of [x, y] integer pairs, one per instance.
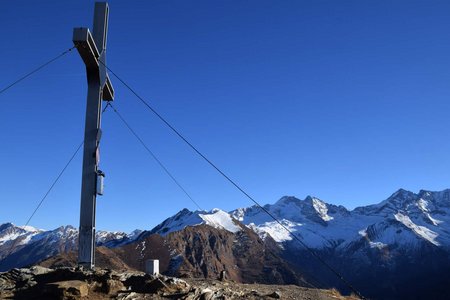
{"points": [[83, 40]]}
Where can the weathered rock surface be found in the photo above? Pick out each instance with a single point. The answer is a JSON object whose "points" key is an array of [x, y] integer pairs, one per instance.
{"points": [[76, 284]]}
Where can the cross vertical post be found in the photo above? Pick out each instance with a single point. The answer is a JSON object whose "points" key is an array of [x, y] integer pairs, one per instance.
{"points": [[92, 49]]}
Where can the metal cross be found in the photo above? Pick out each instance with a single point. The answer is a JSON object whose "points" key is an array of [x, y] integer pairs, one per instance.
{"points": [[92, 49]]}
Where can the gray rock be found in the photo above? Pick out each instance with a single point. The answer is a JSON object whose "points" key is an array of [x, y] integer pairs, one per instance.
{"points": [[206, 294], [275, 295], [38, 270]]}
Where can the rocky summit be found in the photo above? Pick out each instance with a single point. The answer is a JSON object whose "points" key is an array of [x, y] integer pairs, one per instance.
{"points": [[73, 284]]}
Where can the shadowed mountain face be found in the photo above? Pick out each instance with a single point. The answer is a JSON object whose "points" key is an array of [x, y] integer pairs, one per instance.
{"points": [[203, 251], [399, 248]]}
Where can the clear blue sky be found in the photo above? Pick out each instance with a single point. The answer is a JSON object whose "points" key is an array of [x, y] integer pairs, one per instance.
{"points": [[344, 100]]}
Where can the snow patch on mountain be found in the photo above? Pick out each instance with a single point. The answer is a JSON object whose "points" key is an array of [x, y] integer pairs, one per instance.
{"points": [[322, 209], [220, 219], [372, 244], [421, 231], [215, 218], [275, 230], [422, 204], [378, 245], [178, 222], [10, 232], [434, 221], [9, 236], [104, 236], [239, 214], [29, 228]]}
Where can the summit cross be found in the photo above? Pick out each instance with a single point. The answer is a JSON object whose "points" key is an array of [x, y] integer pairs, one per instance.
{"points": [[92, 49]]}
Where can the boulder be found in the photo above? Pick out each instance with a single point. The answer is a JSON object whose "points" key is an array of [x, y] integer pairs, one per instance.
{"points": [[70, 290]]}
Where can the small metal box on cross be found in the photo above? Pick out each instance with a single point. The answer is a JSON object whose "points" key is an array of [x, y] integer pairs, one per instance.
{"points": [[92, 49]]}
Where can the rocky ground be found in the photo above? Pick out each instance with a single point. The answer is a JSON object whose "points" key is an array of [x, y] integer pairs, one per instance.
{"points": [[73, 284]]}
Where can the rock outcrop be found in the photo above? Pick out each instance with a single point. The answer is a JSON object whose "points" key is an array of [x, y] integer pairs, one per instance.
{"points": [[75, 284]]}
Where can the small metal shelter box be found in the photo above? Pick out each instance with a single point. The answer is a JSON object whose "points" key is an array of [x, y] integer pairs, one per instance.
{"points": [[152, 266], [100, 179]]}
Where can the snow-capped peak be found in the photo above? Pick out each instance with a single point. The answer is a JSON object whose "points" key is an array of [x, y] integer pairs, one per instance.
{"points": [[29, 228], [10, 232], [220, 219], [286, 200], [405, 218], [321, 209], [215, 218]]}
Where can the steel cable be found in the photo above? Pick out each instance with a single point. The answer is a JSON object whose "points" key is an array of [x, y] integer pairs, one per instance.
{"points": [[310, 250], [36, 70]]}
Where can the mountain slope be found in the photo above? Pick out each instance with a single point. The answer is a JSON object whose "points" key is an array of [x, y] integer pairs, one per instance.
{"points": [[204, 251], [25, 246], [404, 219], [402, 244]]}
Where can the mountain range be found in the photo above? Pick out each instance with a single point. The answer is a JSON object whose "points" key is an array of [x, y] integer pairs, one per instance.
{"points": [[398, 248]]}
